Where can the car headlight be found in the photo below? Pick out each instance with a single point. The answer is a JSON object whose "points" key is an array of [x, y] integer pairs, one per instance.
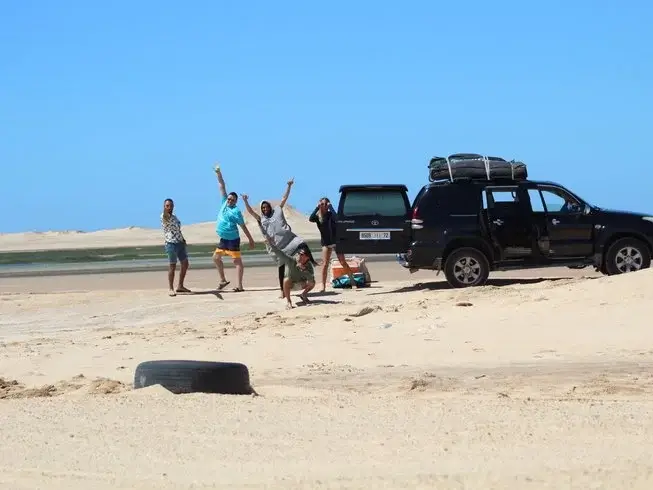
{"points": [[648, 218]]}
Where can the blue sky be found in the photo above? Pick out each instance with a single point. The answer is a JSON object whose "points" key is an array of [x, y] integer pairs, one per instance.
{"points": [[107, 108]]}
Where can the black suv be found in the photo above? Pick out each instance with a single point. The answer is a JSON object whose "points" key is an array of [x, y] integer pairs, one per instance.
{"points": [[471, 226]]}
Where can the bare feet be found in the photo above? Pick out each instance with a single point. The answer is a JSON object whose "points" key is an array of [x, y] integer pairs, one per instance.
{"points": [[289, 306], [172, 293], [304, 298], [182, 289]]}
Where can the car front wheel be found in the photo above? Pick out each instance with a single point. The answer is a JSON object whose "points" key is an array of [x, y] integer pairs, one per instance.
{"points": [[466, 267], [627, 255]]}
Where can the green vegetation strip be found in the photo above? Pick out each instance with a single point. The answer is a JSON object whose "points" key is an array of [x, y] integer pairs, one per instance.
{"points": [[114, 254]]}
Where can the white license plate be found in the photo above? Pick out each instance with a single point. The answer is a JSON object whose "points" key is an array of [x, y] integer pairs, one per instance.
{"points": [[374, 235]]}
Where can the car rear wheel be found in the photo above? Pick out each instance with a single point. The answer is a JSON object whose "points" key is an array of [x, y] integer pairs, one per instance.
{"points": [[466, 267], [627, 255]]}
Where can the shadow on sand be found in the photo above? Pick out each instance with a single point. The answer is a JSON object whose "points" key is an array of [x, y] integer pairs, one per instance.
{"points": [[443, 285], [217, 294], [318, 294], [316, 302]]}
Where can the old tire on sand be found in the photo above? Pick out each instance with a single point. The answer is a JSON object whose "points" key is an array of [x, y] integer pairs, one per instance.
{"points": [[228, 378]]}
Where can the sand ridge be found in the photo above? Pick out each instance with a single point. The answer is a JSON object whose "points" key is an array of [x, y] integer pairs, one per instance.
{"points": [[133, 236]]}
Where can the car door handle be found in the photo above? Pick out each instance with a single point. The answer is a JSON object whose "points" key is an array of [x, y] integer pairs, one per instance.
{"points": [[497, 222], [555, 221]]}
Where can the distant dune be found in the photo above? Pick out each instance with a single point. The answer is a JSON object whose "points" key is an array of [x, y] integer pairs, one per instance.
{"points": [[198, 233]]}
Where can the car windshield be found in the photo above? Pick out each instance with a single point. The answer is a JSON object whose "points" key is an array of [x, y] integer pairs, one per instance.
{"points": [[374, 203]]}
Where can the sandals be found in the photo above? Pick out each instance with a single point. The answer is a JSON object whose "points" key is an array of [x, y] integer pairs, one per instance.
{"points": [[223, 284]]}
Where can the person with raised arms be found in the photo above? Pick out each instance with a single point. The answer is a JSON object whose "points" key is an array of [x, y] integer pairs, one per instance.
{"points": [[273, 225], [298, 270], [229, 219]]}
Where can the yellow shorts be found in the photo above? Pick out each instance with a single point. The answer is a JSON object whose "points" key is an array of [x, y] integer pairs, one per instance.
{"points": [[229, 247], [234, 254]]}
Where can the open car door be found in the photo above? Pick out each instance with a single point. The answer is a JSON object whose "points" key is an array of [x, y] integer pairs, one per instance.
{"points": [[373, 219], [509, 222]]}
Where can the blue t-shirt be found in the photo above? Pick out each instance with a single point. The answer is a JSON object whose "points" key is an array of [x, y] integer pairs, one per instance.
{"points": [[228, 221]]}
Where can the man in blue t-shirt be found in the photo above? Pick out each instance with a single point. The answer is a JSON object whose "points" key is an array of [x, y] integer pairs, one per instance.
{"points": [[229, 219]]}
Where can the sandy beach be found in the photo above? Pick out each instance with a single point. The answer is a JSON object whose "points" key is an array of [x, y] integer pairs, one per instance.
{"points": [[541, 379]]}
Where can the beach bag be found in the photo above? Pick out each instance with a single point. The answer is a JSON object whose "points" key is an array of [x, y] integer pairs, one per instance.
{"points": [[356, 264], [344, 282]]}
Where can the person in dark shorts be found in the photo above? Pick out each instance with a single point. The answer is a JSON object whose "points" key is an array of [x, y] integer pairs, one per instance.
{"points": [[324, 216], [175, 247], [229, 219]]}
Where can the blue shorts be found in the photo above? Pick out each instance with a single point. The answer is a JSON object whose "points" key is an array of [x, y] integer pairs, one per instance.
{"points": [[176, 251]]}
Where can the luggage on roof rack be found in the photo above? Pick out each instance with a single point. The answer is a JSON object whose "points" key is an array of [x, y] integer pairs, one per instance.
{"points": [[472, 166]]}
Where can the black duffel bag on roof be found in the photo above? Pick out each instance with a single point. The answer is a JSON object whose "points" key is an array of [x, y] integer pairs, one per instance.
{"points": [[472, 166]]}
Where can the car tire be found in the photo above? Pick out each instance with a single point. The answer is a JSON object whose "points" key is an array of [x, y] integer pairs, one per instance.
{"points": [[178, 377], [627, 255], [475, 259]]}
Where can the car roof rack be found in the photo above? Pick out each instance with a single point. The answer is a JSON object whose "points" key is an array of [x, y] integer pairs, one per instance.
{"points": [[471, 180]]}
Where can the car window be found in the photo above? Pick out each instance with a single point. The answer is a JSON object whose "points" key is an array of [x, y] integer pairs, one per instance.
{"points": [[449, 200], [558, 201], [502, 201], [536, 200], [367, 203], [505, 195]]}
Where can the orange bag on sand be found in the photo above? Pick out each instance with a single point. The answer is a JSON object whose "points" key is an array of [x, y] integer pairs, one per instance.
{"points": [[356, 264]]}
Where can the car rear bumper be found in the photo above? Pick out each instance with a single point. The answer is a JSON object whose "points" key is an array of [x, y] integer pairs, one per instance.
{"points": [[415, 261]]}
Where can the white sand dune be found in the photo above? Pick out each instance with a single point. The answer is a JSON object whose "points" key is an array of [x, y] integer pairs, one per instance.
{"points": [[528, 384], [198, 233]]}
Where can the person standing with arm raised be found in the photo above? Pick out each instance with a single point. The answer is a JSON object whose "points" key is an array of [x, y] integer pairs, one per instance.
{"points": [[324, 216], [228, 221]]}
